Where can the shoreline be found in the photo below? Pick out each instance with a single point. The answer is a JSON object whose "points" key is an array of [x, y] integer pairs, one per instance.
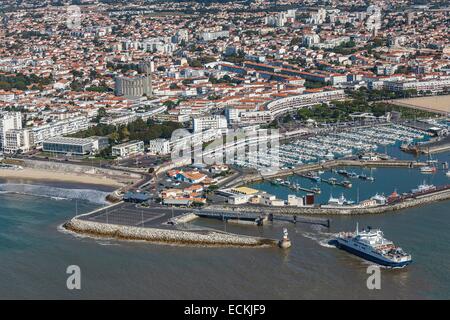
{"points": [[45, 175]]}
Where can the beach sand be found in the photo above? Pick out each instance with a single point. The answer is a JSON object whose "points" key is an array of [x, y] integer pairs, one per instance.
{"points": [[39, 174], [435, 103]]}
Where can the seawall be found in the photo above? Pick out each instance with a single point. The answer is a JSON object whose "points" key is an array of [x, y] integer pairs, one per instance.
{"points": [[166, 236]]}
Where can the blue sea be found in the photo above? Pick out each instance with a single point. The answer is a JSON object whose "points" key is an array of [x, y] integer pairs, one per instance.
{"points": [[35, 252]]}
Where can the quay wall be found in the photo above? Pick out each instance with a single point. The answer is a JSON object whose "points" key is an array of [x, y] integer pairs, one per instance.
{"points": [[289, 210], [436, 149], [165, 236]]}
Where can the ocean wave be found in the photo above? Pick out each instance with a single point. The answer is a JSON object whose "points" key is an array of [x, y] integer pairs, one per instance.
{"points": [[55, 193], [322, 239]]}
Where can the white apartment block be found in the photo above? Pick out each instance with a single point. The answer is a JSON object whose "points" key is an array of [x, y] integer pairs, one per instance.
{"points": [[211, 122], [159, 146], [9, 121], [17, 139], [58, 128], [237, 116], [292, 103], [128, 149], [433, 85]]}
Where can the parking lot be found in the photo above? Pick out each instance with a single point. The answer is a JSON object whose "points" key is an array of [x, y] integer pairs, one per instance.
{"points": [[130, 214]]}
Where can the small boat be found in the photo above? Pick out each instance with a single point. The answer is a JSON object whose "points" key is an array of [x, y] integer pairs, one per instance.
{"points": [[329, 156], [448, 173], [363, 176], [347, 184], [422, 188], [352, 175], [316, 190], [428, 169]]}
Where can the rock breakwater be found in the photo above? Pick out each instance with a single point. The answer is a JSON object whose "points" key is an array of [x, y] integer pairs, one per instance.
{"points": [[167, 236]]}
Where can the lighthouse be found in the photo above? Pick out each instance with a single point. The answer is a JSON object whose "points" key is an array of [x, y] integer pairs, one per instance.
{"points": [[284, 243]]}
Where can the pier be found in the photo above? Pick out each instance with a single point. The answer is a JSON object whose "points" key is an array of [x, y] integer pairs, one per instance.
{"points": [[336, 183], [260, 218], [296, 187]]}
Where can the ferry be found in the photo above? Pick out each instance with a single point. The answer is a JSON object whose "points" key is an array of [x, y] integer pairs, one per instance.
{"points": [[424, 188], [371, 245]]}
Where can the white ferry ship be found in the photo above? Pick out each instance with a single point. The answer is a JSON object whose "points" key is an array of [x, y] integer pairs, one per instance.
{"points": [[371, 245]]}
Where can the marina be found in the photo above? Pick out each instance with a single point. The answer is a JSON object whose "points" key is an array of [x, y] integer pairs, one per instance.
{"points": [[332, 145]]}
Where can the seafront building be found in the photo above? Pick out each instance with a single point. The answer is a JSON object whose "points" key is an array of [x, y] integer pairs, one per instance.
{"points": [[75, 146], [128, 149], [10, 124]]}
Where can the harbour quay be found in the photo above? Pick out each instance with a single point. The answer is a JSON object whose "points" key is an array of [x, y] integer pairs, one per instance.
{"points": [[440, 194]]}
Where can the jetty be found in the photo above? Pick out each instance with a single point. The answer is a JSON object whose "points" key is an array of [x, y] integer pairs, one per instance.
{"points": [[259, 218], [127, 221]]}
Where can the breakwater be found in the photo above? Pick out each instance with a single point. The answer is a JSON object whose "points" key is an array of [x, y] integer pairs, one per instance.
{"points": [[166, 236], [290, 210]]}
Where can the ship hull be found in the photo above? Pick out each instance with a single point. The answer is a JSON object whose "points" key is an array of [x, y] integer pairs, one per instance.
{"points": [[371, 258]]}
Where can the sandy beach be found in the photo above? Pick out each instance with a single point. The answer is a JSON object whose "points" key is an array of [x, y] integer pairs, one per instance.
{"points": [[39, 174], [434, 103]]}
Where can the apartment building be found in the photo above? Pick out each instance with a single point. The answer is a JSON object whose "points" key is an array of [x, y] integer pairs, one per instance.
{"points": [[133, 87], [288, 104], [128, 149], [210, 122], [159, 146], [9, 121], [433, 85]]}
